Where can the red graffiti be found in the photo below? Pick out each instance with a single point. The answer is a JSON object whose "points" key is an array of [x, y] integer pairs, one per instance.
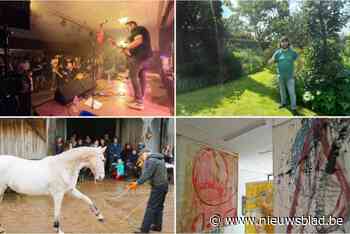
{"points": [[213, 181]]}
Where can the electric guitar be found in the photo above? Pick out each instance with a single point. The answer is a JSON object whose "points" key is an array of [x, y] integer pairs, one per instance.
{"points": [[124, 50]]}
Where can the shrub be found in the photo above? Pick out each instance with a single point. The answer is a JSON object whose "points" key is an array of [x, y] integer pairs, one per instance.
{"points": [[329, 98], [199, 74], [327, 88], [346, 54], [252, 60], [232, 67]]}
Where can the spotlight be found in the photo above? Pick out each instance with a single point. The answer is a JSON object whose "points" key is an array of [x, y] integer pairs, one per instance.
{"points": [[121, 90], [122, 44]]}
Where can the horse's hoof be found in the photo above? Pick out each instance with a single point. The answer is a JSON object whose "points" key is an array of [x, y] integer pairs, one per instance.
{"points": [[100, 218], [2, 230]]}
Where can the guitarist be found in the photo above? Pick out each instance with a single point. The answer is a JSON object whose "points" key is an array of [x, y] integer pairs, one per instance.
{"points": [[139, 50]]}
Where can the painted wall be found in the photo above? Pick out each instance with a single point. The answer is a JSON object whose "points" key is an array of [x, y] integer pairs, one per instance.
{"points": [[207, 181], [312, 172]]}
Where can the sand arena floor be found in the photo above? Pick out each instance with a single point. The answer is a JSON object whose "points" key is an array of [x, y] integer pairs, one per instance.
{"points": [[123, 211]]}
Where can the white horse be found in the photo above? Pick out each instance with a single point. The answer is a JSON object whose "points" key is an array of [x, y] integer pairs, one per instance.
{"points": [[53, 176]]}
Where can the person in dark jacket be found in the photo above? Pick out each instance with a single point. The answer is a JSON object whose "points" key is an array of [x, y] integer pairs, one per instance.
{"points": [[131, 161], [115, 150], [126, 152], [155, 172], [59, 146]]}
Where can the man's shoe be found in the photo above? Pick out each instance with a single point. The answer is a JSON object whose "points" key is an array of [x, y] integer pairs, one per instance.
{"points": [[139, 232], [136, 106], [156, 229], [295, 113]]}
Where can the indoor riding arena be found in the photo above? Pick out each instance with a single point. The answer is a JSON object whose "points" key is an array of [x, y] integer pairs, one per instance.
{"points": [[122, 209]]}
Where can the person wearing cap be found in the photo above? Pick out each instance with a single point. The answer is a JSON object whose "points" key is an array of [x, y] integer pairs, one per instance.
{"points": [[285, 58], [140, 50], [155, 172]]}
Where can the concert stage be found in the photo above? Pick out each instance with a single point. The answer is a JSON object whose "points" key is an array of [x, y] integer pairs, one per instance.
{"points": [[114, 103]]}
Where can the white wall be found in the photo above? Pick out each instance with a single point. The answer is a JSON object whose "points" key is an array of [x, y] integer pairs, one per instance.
{"points": [[255, 163]]}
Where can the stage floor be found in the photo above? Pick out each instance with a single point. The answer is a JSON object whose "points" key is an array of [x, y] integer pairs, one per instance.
{"points": [[123, 211], [156, 102]]}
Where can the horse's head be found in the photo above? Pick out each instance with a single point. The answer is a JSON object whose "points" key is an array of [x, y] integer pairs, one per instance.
{"points": [[96, 163]]}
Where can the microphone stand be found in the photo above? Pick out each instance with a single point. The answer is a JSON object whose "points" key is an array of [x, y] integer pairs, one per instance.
{"points": [[94, 68], [4, 36], [5, 94]]}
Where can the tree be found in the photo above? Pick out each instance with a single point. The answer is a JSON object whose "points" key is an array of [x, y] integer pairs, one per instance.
{"points": [[267, 20], [295, 32], [199, 28], [326, 88]]}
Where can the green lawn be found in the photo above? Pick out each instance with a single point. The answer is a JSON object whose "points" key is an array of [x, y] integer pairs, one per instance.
{"points": [[256, 95]]}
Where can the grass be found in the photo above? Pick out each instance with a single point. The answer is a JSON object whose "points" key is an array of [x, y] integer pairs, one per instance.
{"points": [[254, 95]]}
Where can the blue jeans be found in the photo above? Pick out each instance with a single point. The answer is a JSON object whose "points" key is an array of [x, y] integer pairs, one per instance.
{"points": [[138, 78], [155, 207], [288, 84]]}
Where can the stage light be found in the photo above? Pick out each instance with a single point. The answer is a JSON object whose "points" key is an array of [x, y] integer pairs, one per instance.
{"points": [[121, 90], [122, 44], [123, 20]]}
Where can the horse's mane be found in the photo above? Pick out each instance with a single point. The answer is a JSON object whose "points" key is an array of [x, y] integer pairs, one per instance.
{"points": [[75, 153]]}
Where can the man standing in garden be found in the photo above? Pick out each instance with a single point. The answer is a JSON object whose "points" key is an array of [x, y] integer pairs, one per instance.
{"points": [[285, 57]]}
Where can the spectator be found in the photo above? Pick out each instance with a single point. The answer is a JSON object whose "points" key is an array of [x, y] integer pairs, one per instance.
{"points": [[169, 159], [80, 142], [126, 151], [167, 152], [108, 162], [115, 150], [96, 143], [106, 138], [102, 142], [120, 170], [131, 168], [59, 147], [88, 141]]}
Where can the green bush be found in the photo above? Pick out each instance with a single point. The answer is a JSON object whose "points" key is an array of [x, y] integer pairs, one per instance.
{"points": [[232, 67], [200, 74], [346, 54], [329, 98], [327, 89], [252, 60]]}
